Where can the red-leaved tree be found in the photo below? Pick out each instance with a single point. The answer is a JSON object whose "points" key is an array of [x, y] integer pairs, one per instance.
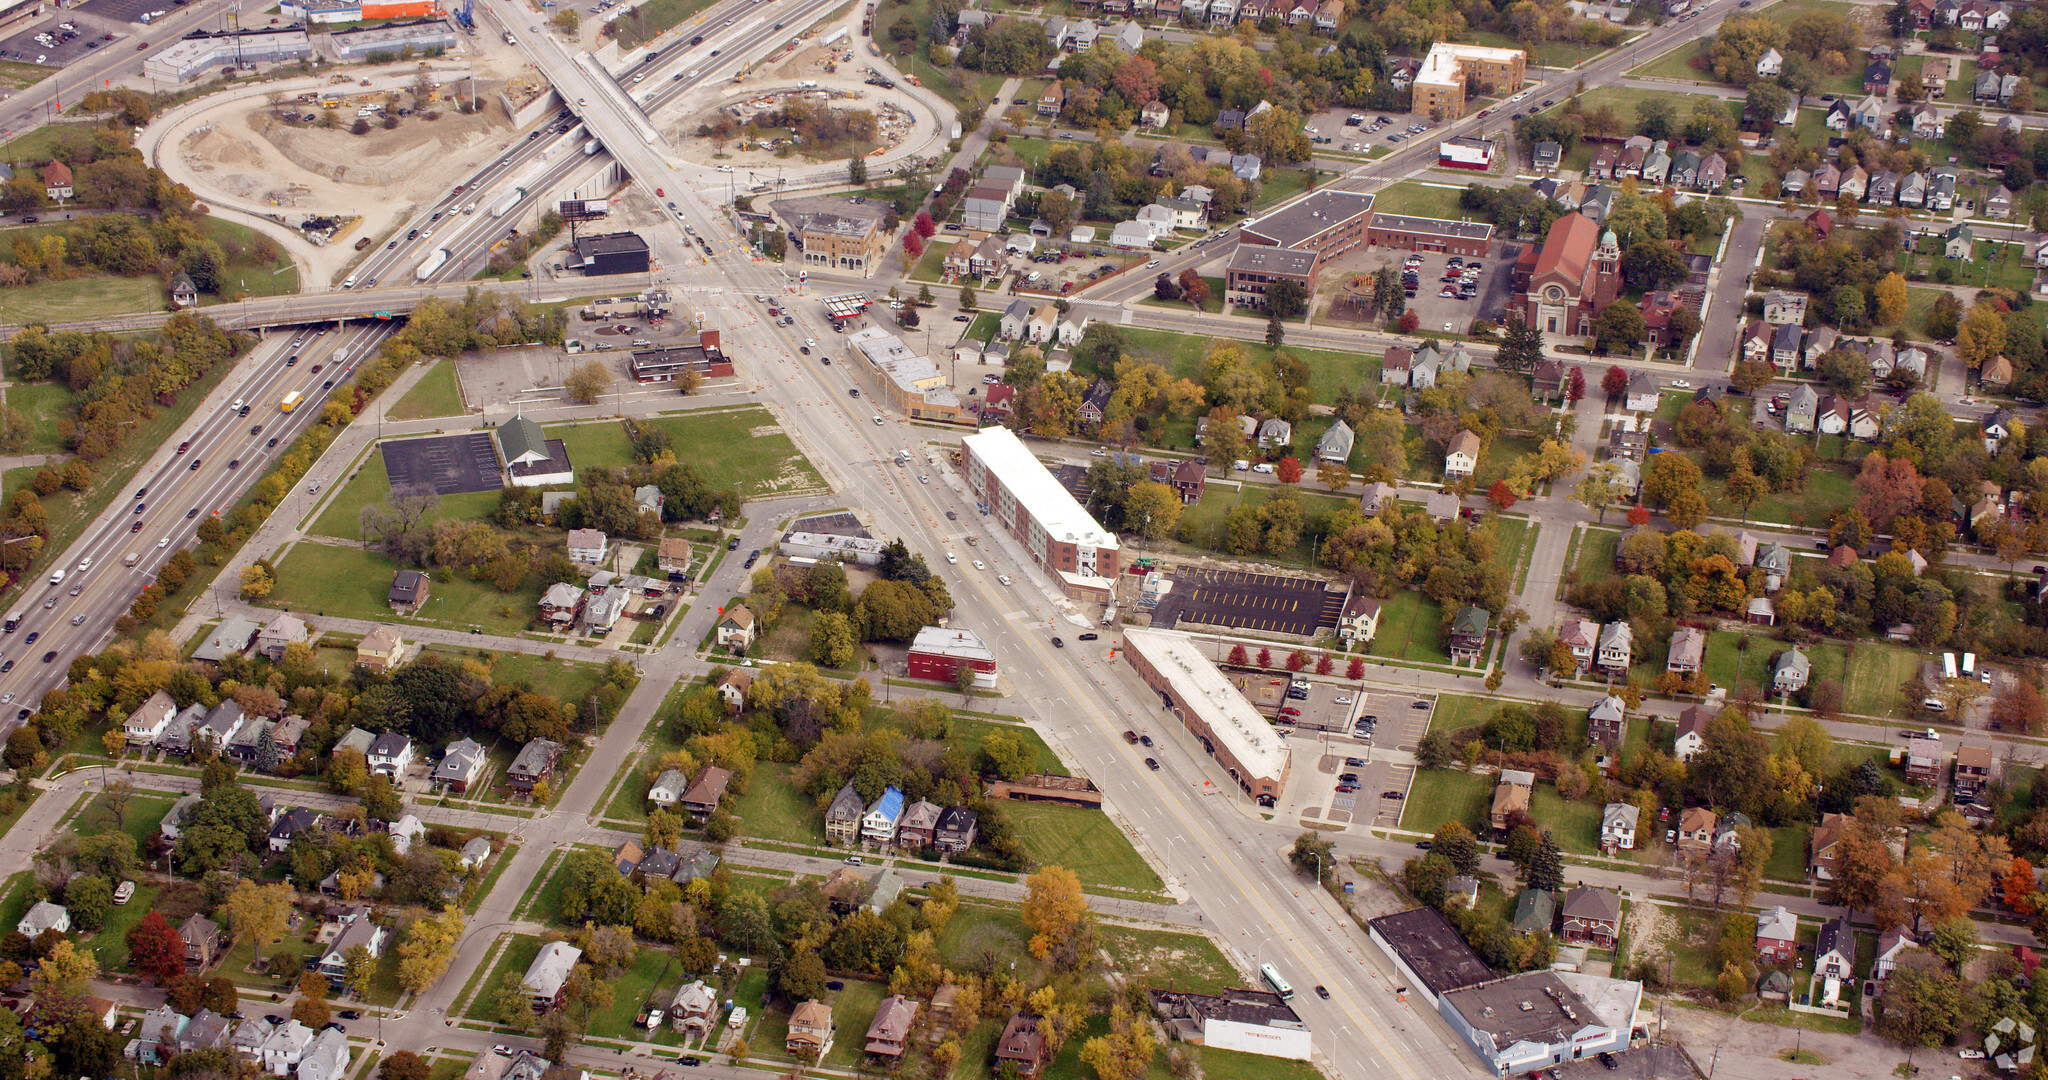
{"points": [[1638, 516], [155, 950], [913, 243], [1409, 321], [1355, 669], [1237, 656], [1265, 658], [1324, 664], [924, 224], [1500, 495], [1297, 660], [1288, 470], [1614, 382], [1575, 385]]}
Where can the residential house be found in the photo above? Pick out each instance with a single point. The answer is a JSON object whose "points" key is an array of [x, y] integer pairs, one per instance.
{"points": [[548, 976], [475, 853], [956, 830], [1468, 634], [289, 825], [878, 823], [1834, 950], [1510, 798], [282, 630], [44, 915], [562, 604], [920, 821], [200, 937], [406, 830], [1998, 204], [1053, 100], [383, 649], [693, 1009], [1884, 188], [1791, 672], [1618, 826], [1957, 241], [407, 592], [736, 629], [146, 724], [327, 1057], [1877, 78], [1913, 190], [1616, 643], [57, 181], [1606, 721], [1022, 1046], [1713, 174], [1775, 560], [208, 1030], [588, 546], [390, 754], [706, 791], [1802, 409], [1777, 936], [889, 1035], [1590, 917], [810, 1031], [1924, 760], [1855, 181], [668, 787], [1696, 830], [843, 817], [1727, 837], [1276, 434], [1359, 621], [1461, 459], [1692, 726], [1335, 445], [1770, 64], [1891, 946], [1934, 78], [1642, 393], [461, 763], [1535, 912], [1578, 635], [733, 687], [285, 1047], [1973, 770], [1827, 181], [1839, 115], [1688, 650], [535, 763]]}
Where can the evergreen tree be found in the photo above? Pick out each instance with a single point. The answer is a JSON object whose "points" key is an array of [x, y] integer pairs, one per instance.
{"points": [[266, 752], [857, 170], [1276, 331], [924, 296], [1521, 345], [1546, 870]]}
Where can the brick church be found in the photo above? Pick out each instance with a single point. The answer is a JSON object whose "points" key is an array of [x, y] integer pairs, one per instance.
{"points": [[1571, 278]]}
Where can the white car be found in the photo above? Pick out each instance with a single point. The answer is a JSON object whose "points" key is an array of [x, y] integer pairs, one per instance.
{"points": [[810, 343], [1098, 452], [978, 566], [165, 542], [952, 558], [84, 565], [1447, 328], [1679, 384], [1004, 578]]}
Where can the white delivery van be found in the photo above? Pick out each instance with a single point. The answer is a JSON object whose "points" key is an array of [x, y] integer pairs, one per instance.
{"points": [[57, 576]]}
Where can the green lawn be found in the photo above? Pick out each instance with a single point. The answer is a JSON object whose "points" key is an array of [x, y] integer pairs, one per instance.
{"points": [[79, 298], [1876, 670], [650, 20], [1278, 185], [1575, 825], [1788, 853], [1596, 553], [1329, 370], [438, 393], [139, 818], [1203, 521], [513, 960], [772, 809], [1546, 54], [1412, 199], [37, 144], [598, 444], [44, 404], [859, 998], [1410, 625], [244, 273], [1827, 490], [931, 266], [1456, 712], [1676, 64], [352, 583], [743, 448], [1213, 305], [655, 974], [369, 487], [1087, 842], [1439, 795], [563, 680], [1165, 958]]}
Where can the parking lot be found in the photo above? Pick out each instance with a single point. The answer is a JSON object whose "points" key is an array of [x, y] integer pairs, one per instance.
{"points": [[1246, 601], [83, 41], [446, 464], [1396, 723], [1331, 130], [133, 10], [1488, 293]]}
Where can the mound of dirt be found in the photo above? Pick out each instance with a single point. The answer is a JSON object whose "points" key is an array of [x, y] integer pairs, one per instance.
{"points": [[415, 149]]}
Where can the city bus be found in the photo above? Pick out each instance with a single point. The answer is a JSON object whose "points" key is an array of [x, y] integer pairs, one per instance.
{"points": [[1273, 979]]}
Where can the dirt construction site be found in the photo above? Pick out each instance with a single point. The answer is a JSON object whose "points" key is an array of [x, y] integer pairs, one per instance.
{"points": [[834, 77]]}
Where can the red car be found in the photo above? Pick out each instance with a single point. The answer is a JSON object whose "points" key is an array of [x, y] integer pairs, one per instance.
{"points": [[658, 192]]}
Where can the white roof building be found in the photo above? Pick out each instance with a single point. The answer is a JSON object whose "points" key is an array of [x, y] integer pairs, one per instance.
{"points": [[1173, 662]]}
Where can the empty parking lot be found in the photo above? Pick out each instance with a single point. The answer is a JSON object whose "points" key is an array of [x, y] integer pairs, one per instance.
{"points": [[445, 464], [1247, 601]]}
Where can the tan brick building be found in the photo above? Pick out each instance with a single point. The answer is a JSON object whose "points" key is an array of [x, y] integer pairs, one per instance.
{"points": [[843, 243], [1440, 85]]}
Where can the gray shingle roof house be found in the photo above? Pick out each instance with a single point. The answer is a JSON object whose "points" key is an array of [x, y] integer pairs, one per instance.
{"points": [[1335, 445]]}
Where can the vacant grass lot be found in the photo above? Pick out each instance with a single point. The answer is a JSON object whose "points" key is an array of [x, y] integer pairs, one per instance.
{"points": [[1084, 841], [773, 809], [742, 448], [1456, 712], [1165, 958], [512, 963], [1439, 795], [1876, 670], [371, 485], [1410, 629], [1203, 521], [44, 404], [1596, 553], [437, 394], [1411, 199], [654, 18], [1329, 370], [352, 583], [74, 299], [1826, 492], [139, 817]]}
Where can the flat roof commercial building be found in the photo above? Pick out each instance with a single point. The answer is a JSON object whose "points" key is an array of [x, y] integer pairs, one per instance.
{"points": [[663, 365], [1429, 952], [911, 384], [1254, 267], [1328, 223], [1251, 1021], [1439, 86], [1026, 499], [1467, 238], [421, 36], [938, 653], [843, 242], [1209, 705], [201, 52], [612, 253], [1541, 1018]]}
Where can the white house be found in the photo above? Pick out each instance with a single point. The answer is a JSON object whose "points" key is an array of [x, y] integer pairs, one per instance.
{"points": [[1692, 726], [668, 787], [1770, 64], [286, 1047], [404, 831], [1462, 457], [587, 545], [327, 1058], [146, 724], [390, 754], [1618, 826], [44, 916]]}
